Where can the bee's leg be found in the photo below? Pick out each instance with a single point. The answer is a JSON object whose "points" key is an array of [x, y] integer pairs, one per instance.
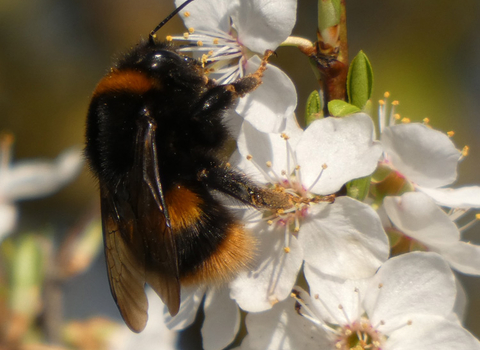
{"points": [[240, 187], [219, 97], [252, 81]]}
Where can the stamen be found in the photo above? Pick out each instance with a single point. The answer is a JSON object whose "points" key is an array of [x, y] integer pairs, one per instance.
{"points": [[311, 316], [267, 176], [470, 224], [359, 304], [344, 313], [331, 314], [450, 133], [287, 237], [456, 213], [324, 166]]}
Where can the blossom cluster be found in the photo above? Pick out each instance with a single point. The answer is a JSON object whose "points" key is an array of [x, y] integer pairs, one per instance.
{"points": [[378, 269]]}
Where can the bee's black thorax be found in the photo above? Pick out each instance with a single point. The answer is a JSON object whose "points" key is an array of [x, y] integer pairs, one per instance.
{"points": [[154, 81]]}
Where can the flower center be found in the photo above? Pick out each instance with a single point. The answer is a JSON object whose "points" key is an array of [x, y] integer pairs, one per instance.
{"points": [[291, 183], [220, 53], [359, 336]]}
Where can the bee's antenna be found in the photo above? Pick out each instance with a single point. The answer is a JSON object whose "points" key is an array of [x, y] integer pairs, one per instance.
{"points": [[162, 23]]}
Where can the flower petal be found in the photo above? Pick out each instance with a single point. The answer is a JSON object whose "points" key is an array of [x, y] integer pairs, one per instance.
{"points": [[463, 257], [413, 283], [344, 145], [33, 179], [155, 332], [431, 333], [416, 215], [425, 156], [344, 239], [282, 328], [222, 319], [463, 197], [209, 15], [264, 24], [271, 103], [273, 276], [190, 301], [329, 292], [267, 147], [8, 219]]}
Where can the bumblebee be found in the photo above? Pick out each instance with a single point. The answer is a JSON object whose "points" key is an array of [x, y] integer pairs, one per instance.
{"points": [[154, 131]]}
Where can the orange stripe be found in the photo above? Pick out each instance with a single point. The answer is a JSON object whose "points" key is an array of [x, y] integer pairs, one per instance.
{"points": [[125, 81], [235, 254], [183, 207]]}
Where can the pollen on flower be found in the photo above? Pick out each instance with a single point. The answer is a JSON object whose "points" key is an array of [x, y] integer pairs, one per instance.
{"points": [[186, 35], [199, 43], [285, 136], [268, 164], [397, 116], [249, 157], [426, 120], [405, 120], [381, 102], [380, 285], [286, 249], [395, 103], [386, 94], [450, 133], [324, 166], [477, 216], [216, 41], [169, 38], [191, 30], [186, 14], [465, 151]]}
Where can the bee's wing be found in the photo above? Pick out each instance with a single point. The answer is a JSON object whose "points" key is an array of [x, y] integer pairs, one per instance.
{"points": [[161, 262], [139, 245], [124, 254]]}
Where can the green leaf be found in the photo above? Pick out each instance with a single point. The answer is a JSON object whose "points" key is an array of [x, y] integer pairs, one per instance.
{"points": [[313, 111], [360, 80], [339, 108], [358, 188]]}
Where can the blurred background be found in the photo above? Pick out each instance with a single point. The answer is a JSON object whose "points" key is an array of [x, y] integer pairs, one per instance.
{"points": [[53, 52]]}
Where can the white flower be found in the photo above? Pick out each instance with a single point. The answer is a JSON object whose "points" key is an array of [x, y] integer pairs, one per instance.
{"points": [[31, 179], [344, 239], [226, 34], [406, 305], [427, 158], [222, 316], [415, 215]]}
